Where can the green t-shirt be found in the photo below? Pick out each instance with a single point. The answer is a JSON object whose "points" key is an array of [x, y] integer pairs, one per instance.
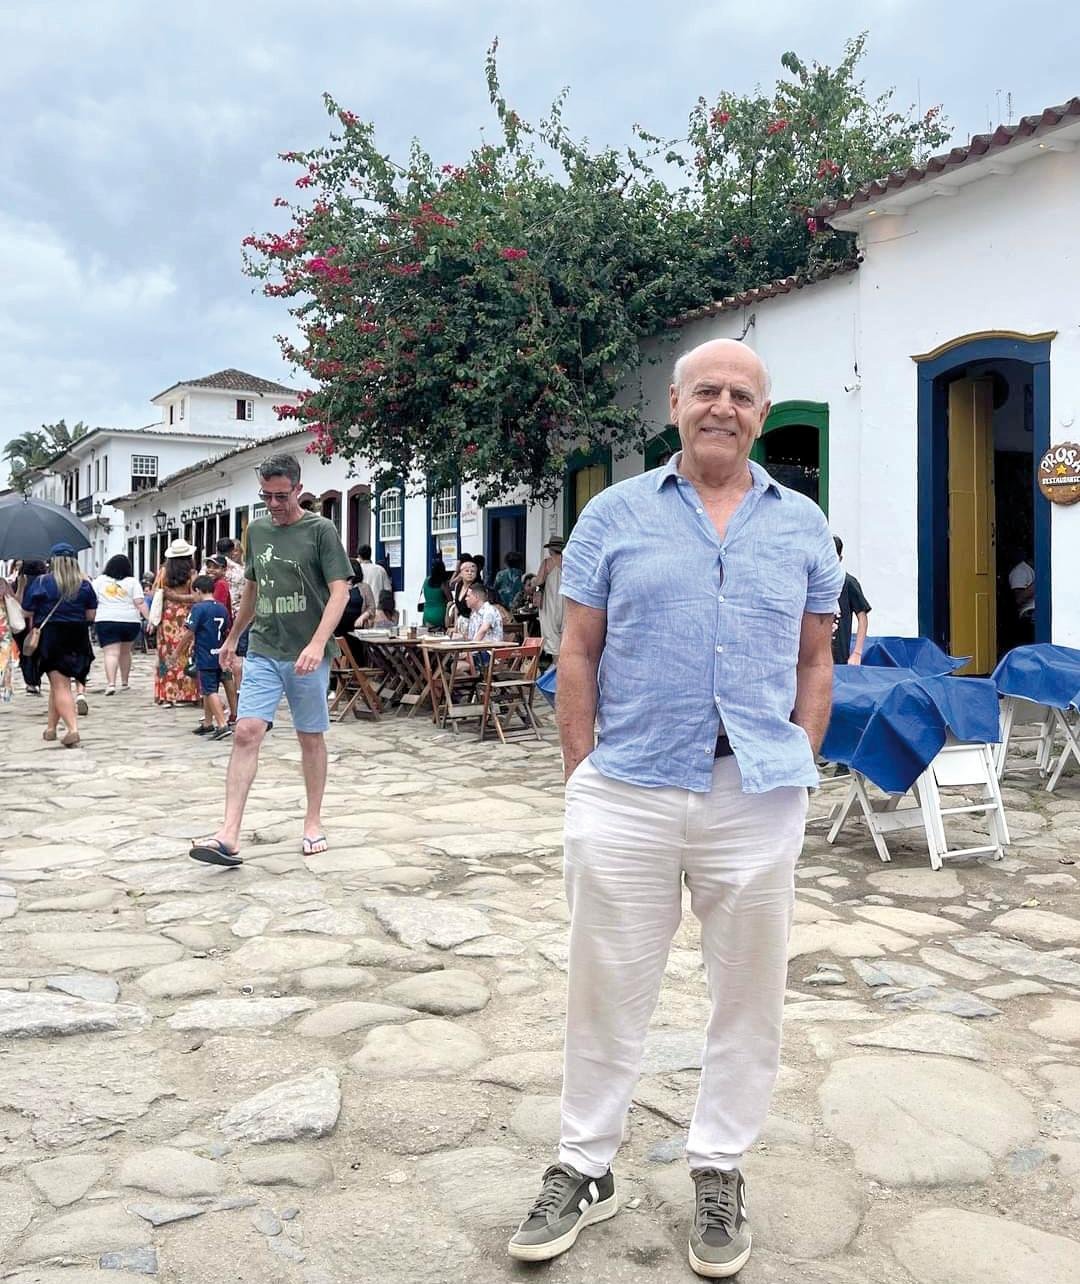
{"points": [[292, 566]]}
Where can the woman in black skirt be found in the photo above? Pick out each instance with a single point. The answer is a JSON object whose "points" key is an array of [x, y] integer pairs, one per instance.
{"points": [[62, 605], [29, 569]]}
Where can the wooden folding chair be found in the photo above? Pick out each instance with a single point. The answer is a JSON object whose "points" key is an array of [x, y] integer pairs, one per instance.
{"points": [[510, 687], [351, 683]]}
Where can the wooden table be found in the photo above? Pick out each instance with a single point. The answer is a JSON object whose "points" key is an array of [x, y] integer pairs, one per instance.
{"points": [[407, 682], [440, 660]]}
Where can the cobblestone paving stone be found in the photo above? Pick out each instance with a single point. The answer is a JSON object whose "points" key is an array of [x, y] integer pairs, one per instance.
{"points": [[347, 1069]]}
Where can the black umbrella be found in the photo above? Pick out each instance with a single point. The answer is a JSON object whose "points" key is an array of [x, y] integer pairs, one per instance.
{"points": [[30, 527]]}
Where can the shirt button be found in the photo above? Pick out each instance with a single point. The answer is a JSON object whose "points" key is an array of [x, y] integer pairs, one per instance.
{"points": [[708, 750], [719, 649], [720, 598], [699, 510]]}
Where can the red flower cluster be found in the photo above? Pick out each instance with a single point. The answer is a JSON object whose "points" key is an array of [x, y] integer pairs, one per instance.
{"points": [[720, 118], [280, 201], [305, 180], [287, 412], [778, 126], [471, 448], [320, 266], [404, 269], [813, 226], [828, 169], [348, 119], [366, 327], [510, 255], [429, 214]]}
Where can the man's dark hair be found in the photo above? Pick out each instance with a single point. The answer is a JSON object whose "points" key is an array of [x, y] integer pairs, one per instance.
{"points": [[364, 552], [118, 567], [481, 591], [839, 545], [514, 561], [280, 466], [203, 584], [225, 546]]}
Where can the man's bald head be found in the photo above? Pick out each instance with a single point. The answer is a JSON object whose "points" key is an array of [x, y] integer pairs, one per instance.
{"points": [[685, 365]]}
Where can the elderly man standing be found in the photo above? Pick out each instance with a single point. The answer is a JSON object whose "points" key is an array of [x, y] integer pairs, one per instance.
{"points": [[708, 730]]}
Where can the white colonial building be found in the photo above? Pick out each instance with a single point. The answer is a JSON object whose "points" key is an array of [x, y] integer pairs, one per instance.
{"points": [[200, 418], [915, 396]]}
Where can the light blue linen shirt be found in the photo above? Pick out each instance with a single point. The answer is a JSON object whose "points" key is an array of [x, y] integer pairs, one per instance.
{"points": [[701, 628]]}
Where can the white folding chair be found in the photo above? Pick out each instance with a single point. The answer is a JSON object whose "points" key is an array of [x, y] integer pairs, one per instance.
{"points": [[1068, 723], [956, 764], [1023, 722]]}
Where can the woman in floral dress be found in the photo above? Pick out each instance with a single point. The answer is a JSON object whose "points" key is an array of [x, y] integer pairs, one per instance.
{"points": [[172, 685]]}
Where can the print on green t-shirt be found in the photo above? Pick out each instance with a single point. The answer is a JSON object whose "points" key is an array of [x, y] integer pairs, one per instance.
{"points": [[292, 567]]}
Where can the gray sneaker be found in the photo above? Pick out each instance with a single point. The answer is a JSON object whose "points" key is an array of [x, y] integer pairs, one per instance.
{"points": [[567, 1203], [720, 1239]]}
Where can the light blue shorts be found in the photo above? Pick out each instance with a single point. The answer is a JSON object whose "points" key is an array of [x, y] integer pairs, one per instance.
{"points": [[265, 681]]}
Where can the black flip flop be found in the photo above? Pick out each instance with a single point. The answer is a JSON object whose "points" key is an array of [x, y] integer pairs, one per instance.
{"points": [[213, 852]]}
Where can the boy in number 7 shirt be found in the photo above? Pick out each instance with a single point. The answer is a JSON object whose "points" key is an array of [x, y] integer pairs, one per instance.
{"points": [[207, 626]]}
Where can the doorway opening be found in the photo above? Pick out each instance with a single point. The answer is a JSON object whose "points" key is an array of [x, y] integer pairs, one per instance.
{"points": [[505, 534], [794, 448], [984, 533]]}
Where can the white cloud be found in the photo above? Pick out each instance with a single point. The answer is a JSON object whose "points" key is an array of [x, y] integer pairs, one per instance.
{"points": [[38, 266]]}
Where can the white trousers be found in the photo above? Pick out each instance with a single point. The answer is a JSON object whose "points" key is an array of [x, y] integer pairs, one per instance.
{"points": [[627, 851]]}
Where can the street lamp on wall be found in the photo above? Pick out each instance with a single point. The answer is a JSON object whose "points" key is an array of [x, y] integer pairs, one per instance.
{"points": [[161, 521]]}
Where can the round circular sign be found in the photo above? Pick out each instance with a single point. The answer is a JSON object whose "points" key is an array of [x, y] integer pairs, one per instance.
{"points": [[1059, 473]]}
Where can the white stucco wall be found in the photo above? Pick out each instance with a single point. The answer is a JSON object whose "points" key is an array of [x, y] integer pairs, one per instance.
{"points": [[1000, 255], [210, 411]]}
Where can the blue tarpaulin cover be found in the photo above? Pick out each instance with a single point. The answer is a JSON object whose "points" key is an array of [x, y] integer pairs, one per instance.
{"points": [[545, 684], [1044, 673], [919, 654], [890, 724]]}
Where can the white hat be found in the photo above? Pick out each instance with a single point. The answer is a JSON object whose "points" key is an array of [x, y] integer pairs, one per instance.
{"points": [[180, 548]]}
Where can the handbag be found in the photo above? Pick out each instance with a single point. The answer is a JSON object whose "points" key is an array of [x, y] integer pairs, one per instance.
{"points": [[157, 608], [15, 617], [33, 639]]}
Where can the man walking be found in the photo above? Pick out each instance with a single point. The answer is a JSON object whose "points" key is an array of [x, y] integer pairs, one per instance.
{"points": [[375, 576], [708, 730], [297, 585]]}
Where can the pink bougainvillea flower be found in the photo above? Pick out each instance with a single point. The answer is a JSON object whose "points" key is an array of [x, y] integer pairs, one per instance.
{"points": [[511, 254]]}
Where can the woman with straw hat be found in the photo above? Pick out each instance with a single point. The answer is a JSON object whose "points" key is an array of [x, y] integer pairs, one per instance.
{"points": [[60, 607], [172, 685]]}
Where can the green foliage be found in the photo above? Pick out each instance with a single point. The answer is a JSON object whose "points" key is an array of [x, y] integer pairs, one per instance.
{"points": [[34, 449], [476, 321]]}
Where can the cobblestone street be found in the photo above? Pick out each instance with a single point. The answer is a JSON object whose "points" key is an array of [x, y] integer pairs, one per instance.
{"points": [[346, 1068]]}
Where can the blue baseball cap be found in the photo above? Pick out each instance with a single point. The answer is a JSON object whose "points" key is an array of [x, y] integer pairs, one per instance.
{"points": [[62, 550]]}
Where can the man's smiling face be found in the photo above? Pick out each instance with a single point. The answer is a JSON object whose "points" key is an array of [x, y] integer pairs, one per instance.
{"points": [[719, 406]]}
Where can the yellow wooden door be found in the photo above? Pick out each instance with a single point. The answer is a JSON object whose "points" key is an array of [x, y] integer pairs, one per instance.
{"points": [[972, 570], [587, 483]]}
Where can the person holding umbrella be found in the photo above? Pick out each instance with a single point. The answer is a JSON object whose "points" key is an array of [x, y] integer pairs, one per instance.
{"points": [[61, 605]]}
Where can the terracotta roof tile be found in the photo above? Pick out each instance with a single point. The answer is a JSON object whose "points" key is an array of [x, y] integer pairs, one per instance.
{"points": [[979, 145], [231, 381], [822, 272]]}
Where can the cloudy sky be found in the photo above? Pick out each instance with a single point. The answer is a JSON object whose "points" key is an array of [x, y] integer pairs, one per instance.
{"points": [[139, 140]]}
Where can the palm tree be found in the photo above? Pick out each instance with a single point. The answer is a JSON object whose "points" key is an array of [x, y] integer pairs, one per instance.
{"points": [[34, 449]]}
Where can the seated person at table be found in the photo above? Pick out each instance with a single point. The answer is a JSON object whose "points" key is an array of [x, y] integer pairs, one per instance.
{"points": [[483, 625], [385, 615], [361, 603], [523, 597], [1022, 583]]}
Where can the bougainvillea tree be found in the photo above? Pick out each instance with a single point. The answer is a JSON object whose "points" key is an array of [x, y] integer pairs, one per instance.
{"points": [[474, 320]]}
